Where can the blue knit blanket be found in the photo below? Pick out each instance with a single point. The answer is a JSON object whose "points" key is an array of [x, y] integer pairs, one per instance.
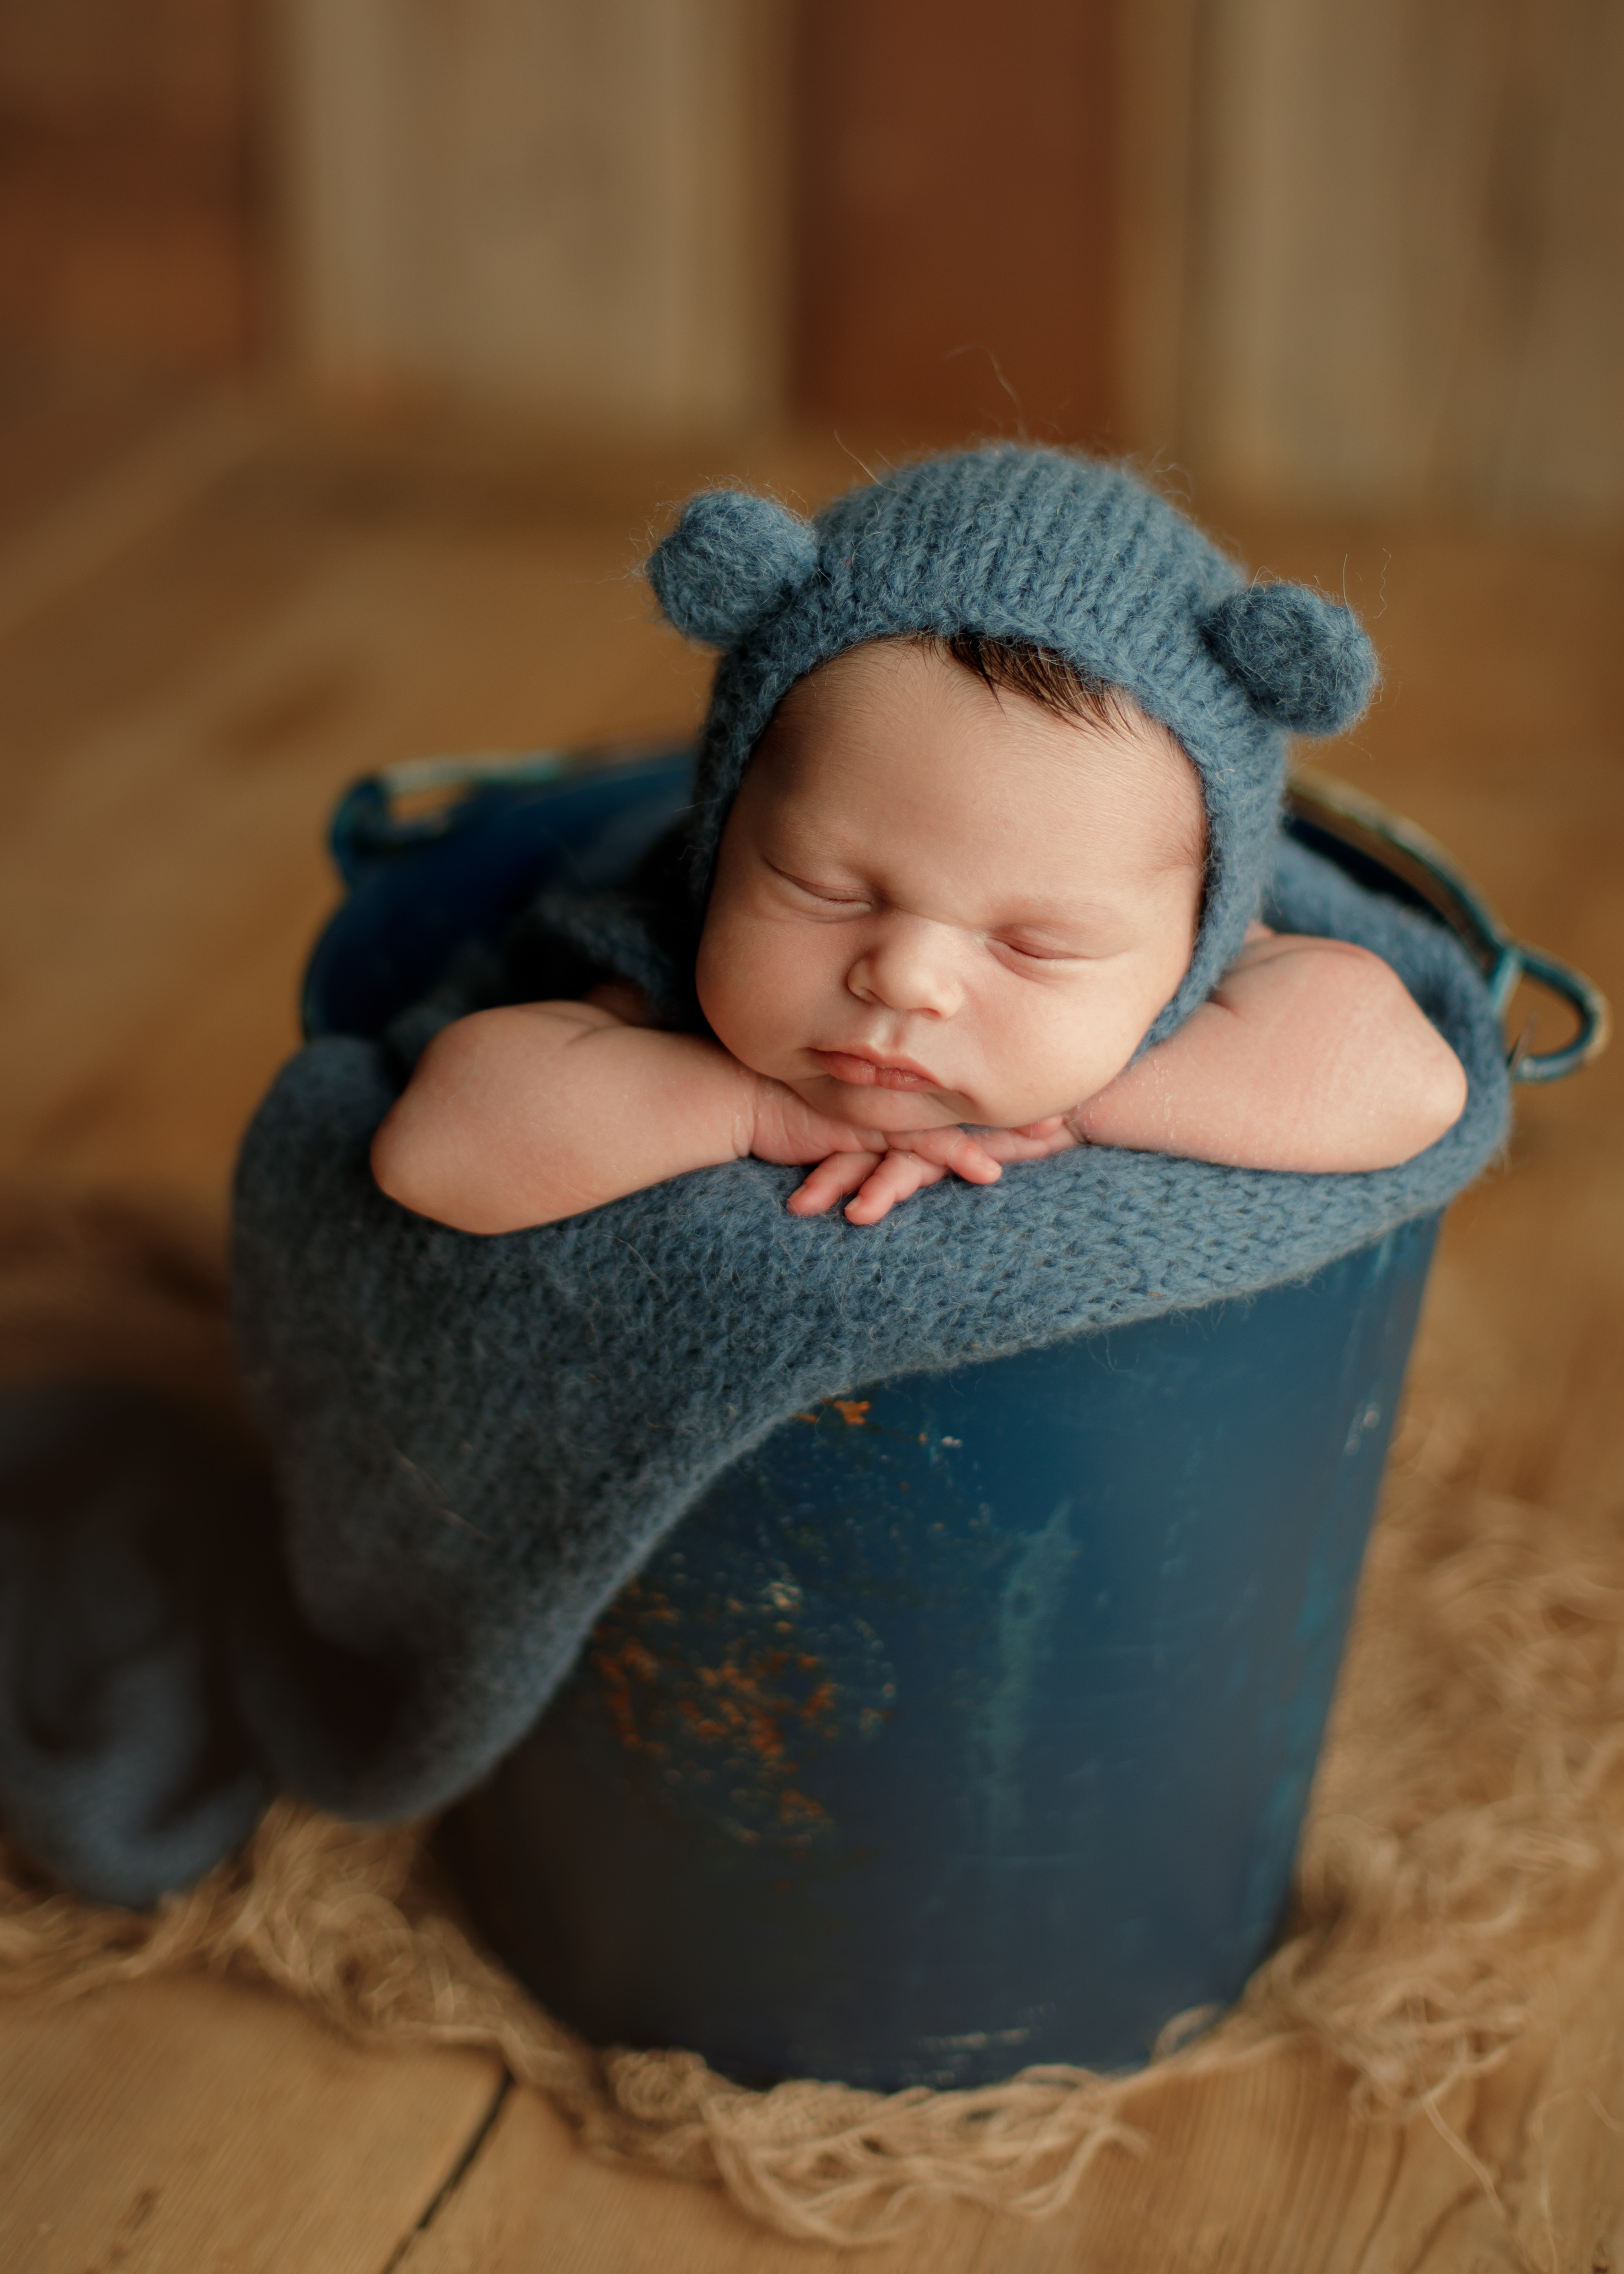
{"points": [[479, 1441]]}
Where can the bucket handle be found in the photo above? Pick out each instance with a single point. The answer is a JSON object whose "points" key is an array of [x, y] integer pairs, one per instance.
{"points": [[412, 803], [1421, 862], [420, 800]]}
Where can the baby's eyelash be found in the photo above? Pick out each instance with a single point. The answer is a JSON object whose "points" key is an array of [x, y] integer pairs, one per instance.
{"points": [[1039, 955], [822, 893]]}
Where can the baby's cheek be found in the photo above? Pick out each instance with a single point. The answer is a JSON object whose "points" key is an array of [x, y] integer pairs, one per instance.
{"points": [[745, 993], [1079, 1044], [721, 966]]}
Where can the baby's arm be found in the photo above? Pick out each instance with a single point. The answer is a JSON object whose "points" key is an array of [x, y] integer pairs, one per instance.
{"points": [[518, 1116], [1311, 1054]]}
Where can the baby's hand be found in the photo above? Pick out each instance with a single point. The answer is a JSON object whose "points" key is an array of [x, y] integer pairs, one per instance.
{"points": [[890, 1168], [897, 1166], [878, 1167]]}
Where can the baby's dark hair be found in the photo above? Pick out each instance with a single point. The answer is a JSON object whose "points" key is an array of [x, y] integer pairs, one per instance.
{"points": [[1019, 667]]}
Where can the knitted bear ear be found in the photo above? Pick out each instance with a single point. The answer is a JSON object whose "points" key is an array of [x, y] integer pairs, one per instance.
{"points": [[729, 563], [1304, 661]]}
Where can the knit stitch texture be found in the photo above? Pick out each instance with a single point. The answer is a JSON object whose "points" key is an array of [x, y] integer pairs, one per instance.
{"points": [[1043, 546], [480, 1440]]}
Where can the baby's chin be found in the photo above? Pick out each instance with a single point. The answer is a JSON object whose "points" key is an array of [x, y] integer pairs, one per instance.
{"points": [[866, 1106]]}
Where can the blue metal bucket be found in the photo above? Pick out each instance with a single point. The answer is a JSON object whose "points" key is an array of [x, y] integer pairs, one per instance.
{"points": [[970, 1722]]}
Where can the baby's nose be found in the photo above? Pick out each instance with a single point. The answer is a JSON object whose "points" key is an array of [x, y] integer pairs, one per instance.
{"points": [[911, 965]]}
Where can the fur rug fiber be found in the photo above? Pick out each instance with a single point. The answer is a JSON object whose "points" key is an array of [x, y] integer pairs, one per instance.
{"points": [[1468, 1819]]}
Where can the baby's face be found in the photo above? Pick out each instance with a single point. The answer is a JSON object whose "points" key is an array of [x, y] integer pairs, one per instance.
{"points": [[936, 904]]}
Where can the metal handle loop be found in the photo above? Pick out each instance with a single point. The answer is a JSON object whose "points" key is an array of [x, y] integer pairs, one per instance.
{"points": [[1583, 996], [420, 800], [1352, 819]]}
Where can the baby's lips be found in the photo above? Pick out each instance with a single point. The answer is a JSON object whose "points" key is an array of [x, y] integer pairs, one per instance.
{"points": [[870, 1073]]}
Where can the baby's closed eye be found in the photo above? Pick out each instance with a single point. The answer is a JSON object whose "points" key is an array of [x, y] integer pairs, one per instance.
{"points": [[833, 892], [1059, 954], [1041, 950]]}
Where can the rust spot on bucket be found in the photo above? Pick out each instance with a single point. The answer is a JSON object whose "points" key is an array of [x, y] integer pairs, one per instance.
{"points": [[747, 1705], [734, 1700], [618, 1669], [798, 1808]]}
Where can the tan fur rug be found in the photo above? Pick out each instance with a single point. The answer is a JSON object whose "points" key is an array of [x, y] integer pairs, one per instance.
{"points": [[1467, 1820]]}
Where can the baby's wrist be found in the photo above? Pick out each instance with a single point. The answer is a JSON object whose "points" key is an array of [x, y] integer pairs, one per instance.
{"points": [[749, 1106]]}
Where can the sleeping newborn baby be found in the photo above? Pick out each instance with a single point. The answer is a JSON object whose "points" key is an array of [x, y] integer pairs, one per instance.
{"points": [[981, 836]]}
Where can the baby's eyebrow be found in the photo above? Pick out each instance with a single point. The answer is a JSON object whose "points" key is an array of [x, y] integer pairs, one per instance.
{"points": [[1060, 915]]}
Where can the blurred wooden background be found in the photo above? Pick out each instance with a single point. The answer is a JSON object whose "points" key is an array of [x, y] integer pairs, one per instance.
{"points": [[348, 350], [1360, 253], [131, 191], [227, 614], [1407, 243], [954, 200]]}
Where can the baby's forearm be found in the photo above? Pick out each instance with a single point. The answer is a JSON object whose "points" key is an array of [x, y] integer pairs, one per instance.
{"points": [[1311, 1056], [521, 1116]]}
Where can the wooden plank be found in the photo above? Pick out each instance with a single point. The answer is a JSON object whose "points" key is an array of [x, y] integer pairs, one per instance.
{"points": [[203, 2124], [576, 208], [533, 2198], [1156, 75], [63, 420], [955, 203], [127, 197], [1265, 2171], [1407, 221], [1572, 2215], [64, 548]]}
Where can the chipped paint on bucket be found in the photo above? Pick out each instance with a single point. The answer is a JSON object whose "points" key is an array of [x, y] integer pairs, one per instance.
{"points": [[970, 1721]]}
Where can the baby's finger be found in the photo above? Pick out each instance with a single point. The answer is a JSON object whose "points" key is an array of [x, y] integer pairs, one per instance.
{"points": [[834, 1177], [1035, 1142], [957, 1150], [898, 1175], [974, 1164]]}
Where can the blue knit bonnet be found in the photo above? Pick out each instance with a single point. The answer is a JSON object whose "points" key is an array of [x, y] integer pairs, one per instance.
{"points": [[1067, 552]]}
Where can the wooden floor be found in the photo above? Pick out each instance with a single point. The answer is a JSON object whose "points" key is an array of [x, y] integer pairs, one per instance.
{"points": [[212, 615]]}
